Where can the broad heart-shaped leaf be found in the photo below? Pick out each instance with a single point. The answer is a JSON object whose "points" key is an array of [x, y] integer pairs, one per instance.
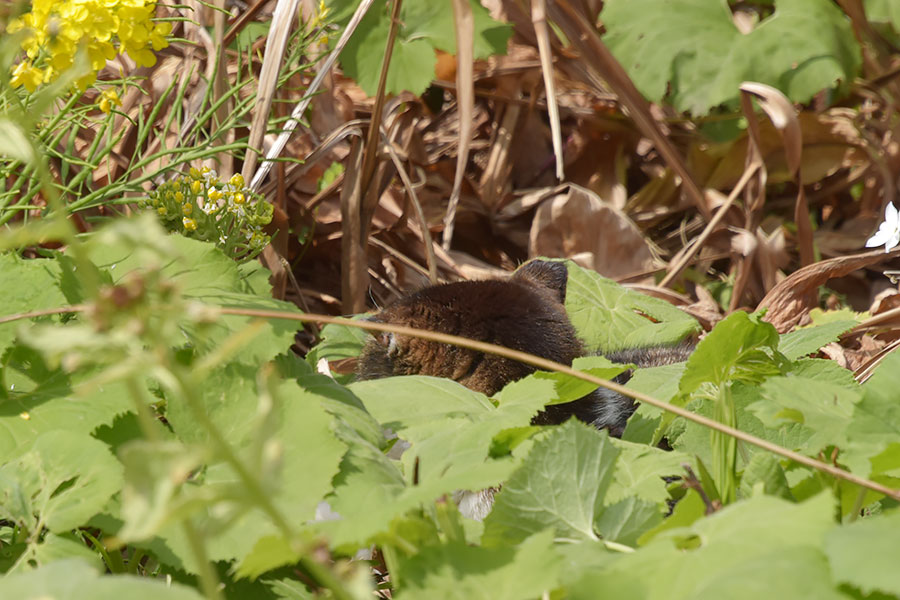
{"points": [[39, 399], [691, 53], [875, 425], [293, 453], [424, 26], [560, 485], [740, 347], [864, 553], [639, 473], [62, 481], [27, 285], [822, 408], [450, 427], [153, 473], [802, 342], [202, 273], [712, 558], [610, 317], [457, 570], [75, 579]]}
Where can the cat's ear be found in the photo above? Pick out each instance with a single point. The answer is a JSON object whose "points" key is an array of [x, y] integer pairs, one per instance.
{"points": [[551, 275]]}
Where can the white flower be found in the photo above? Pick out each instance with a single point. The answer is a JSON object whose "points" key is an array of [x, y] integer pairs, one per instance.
{"points": [[888, 232]]}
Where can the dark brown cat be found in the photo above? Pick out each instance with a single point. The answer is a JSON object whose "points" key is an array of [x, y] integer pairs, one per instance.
{"points": [[524, 312]]}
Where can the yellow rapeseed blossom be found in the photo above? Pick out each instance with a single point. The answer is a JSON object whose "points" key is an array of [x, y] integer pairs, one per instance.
{"points": [[107, 99], [58, 28]]}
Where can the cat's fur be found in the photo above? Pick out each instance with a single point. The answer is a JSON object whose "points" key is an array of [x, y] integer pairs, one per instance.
{"points": [[525, 312]]}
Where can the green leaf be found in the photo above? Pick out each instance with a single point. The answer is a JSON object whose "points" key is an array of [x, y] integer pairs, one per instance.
{"points": [[609, 317], [560, 485], [457, 570], [424, 27], [765, 470], [886, 11], [713, 557], [76, 580], [338, 342], [740, 347], [269, 552], [61, 482], [662, 384], [876, 418], [203, 273], [41, 400], [14, 142], [822, 408], [639, 473], [863, 554], [27, 285], [627, 520], [154, 471], [691, 53], [569, 388], [807, 340]]}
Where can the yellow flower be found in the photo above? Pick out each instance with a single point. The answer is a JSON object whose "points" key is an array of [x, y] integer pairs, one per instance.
{"points": [[238, 198], [108, 98], [189, 224], [187, 209], [27, 75], [237, 180], [58, 28]]}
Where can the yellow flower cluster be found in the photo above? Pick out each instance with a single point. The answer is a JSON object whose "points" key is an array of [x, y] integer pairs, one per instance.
{"points": [[199, 205], [56, 29]]}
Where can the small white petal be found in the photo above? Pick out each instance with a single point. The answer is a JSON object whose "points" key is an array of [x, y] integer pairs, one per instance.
{"points": [[880, 237], [891, 215], [895, 239]]}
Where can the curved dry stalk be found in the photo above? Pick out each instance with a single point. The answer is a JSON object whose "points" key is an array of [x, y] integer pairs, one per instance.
{"points": [[542, 33], [291, 124], [417, 207], [687, 254], [276, 44], [465, 102]]}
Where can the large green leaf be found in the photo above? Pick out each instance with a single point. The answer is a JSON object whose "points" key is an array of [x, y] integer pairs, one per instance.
{"points": [[807, 340], [27, 285], [863, 554], [690, 52], [77, 580], [560, 485], [61, 482], [762, 547], [457, 570], [609, 317], [424, 26], [41, 399]]}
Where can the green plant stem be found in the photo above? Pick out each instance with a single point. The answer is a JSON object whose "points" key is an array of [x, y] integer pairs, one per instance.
{"points": [[100, 549], [134, 563], [724, 447], [209, 581]]}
